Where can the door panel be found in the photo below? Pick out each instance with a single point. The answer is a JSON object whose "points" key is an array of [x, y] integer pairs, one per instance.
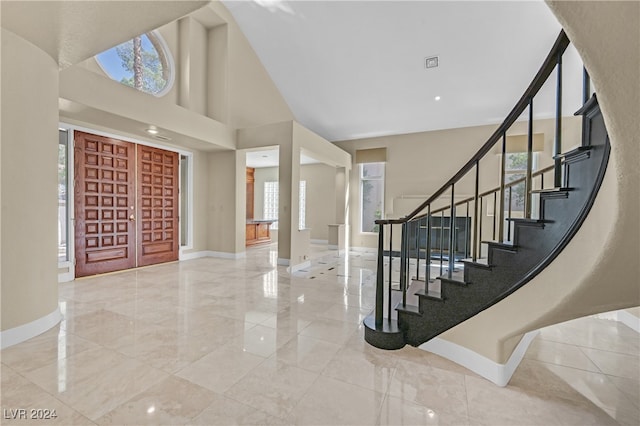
{"points": [[158, 239], [104, 202]]}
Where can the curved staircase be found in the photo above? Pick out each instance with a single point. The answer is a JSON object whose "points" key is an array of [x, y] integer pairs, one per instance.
{"points": [[417, 310]]}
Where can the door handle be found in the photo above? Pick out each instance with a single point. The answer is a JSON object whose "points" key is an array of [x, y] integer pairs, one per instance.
{"points": [[132, 218]]}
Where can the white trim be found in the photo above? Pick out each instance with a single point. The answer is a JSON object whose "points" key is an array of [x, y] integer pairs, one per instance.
{"points": [[299, 266], [19, 334], [630, 320], [319, 241], [209, 253], [500, 374], [283, 262], [363, 249], [132, 139], [333, 247], [65, 277], [189, 155]]}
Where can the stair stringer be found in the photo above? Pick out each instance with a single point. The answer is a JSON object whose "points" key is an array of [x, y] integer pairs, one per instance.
{"points": [[537, 242], [598, 270]]}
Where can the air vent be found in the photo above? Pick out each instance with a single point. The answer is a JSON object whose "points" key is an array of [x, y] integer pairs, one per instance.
{"points": [[431, 62], [162, 138]]}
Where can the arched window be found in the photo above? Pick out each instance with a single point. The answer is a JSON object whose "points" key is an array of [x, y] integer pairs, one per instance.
{"points": [[143, 63]]}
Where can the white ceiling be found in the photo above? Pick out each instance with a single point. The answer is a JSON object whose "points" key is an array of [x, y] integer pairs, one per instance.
{"points": [[354, 69]]}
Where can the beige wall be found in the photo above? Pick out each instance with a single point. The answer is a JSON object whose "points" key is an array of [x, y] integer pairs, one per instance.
{"points": [[29, 182], [418, 164], [227, 202], [320, 201]]}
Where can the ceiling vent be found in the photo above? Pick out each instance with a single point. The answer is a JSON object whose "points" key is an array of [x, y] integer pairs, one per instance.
{"points": [[431, 62], [162, 138]]}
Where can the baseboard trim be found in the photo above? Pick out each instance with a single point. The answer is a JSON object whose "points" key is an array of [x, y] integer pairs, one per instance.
{"points": [[283, 262], [19, 334], [500, 374], [630, 320], [319, 241], [363, 249], [299, 266], [65, 277], [209, 253]]}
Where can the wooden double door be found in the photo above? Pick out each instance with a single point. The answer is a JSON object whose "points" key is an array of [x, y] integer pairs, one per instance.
{"points": [[126, 205]]}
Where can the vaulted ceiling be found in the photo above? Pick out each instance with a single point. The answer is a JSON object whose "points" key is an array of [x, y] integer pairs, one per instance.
{"points": [[354, 69]]}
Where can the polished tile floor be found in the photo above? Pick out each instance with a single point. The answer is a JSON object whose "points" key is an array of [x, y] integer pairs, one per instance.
{"points": [[222, 342]]}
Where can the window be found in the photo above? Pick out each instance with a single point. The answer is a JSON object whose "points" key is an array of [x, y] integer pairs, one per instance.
{"points": [[516, 168], [302, 210], [270, 208], [185, 198], [371, 195], [63, 205], [143, 63]]}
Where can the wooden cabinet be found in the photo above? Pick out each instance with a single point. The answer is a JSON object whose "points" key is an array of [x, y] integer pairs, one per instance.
{"points": [[258, 232]]}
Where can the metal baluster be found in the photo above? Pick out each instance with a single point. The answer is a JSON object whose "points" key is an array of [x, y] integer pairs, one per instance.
{"points": [[418, 249], [557, 147], [403, 263], [441, 239], [509, 222], [480, 230], [427, 256], [495, 214], [475, 213], [503, 170], [390, 267], [527, 182], [466, 232], [452, 232], [380, 279]]}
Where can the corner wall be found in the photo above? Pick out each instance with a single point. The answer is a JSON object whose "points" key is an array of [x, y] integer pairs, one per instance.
{"points": [[29, 188]]}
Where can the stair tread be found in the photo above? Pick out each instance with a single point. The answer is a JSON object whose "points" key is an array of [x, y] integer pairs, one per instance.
{"points": [[452, 281], [409, 309], [576, 151], [551, 190], [479, 263], [432, 295], [501, 246]]}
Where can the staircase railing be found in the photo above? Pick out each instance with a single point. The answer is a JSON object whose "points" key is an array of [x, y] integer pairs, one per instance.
{"points": [[435, 225]]}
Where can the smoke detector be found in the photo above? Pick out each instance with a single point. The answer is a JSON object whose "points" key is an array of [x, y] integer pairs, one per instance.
{"points": [[431, 62]]}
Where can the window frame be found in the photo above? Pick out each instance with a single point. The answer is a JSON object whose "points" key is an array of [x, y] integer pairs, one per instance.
{"points": [[361, 181], [153, 35]]}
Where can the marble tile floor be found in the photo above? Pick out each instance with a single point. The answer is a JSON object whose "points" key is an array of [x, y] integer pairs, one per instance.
{"points": [[222, 342]]}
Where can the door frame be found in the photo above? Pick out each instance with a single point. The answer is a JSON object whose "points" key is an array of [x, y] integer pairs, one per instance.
{"points": [[69, 265]]}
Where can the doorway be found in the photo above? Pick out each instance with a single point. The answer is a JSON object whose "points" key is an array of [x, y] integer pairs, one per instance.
{"points": [[126, 205]]}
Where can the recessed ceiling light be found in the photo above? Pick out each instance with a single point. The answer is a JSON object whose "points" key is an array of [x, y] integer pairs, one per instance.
{"points": [[437, 98], [152, 131]]}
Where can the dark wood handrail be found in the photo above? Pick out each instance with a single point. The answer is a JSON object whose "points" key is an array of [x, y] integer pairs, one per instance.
{"points": [[560, 45]]}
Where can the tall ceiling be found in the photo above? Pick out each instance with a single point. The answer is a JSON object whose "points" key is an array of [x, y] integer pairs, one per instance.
{"points": [[355, 69]]}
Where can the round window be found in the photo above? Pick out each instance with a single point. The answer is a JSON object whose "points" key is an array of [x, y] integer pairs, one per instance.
{"points": [[143, 63]]}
